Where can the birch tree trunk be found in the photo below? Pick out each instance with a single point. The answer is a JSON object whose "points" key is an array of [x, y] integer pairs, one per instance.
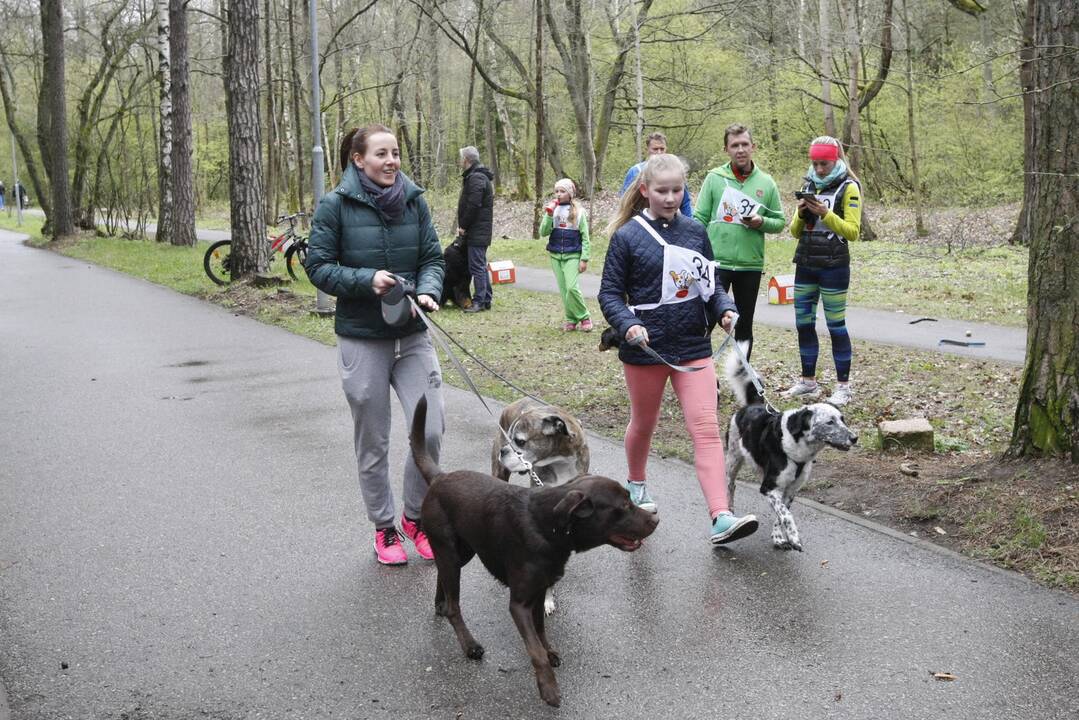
{"points": [[183, 174], [250, 250], [164, 147], [52, 119], [1047, 413]]}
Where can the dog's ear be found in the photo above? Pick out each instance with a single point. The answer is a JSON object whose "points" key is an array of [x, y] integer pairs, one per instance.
{"points": [[799, 423], [575, 505], [554, 425]]}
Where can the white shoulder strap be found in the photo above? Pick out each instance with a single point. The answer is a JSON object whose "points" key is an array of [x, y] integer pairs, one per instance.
{"points": [[651, 230]]}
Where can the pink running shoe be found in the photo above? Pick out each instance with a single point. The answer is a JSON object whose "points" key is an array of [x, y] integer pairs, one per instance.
{"points": [[415, 534], [388, 547], [586, 325], [569, 327]]}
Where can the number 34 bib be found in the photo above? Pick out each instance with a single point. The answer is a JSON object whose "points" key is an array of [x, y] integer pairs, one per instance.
{"points": [[686, 273]]}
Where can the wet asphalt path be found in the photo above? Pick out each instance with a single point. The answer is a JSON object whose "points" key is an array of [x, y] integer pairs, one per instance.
{"points": [[181, 536]]}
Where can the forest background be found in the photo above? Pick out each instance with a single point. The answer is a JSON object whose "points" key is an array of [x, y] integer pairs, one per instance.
{"points": [[932, 81]]}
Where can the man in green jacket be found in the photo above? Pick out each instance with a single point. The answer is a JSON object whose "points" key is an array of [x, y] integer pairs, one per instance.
{"points": [[738, 204]]}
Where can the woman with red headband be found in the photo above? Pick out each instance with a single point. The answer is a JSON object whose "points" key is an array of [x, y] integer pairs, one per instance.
{"points": [[824, 224]]}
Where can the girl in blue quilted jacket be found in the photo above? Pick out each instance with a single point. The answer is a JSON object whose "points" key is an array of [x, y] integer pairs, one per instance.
{"points": [[658, 291]]}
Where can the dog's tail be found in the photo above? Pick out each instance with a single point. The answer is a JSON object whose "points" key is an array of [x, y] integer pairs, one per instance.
{"points": [[417, 439], [738, 378]]}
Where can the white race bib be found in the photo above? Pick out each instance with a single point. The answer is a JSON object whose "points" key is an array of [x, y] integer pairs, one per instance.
{"points": [[733, 205], [686, 273]]}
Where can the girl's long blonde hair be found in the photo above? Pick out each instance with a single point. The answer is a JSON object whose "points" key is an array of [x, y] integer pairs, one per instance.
{"points": [[632, 201]]}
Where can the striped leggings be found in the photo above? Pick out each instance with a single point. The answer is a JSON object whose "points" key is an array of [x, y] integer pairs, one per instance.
{"points": [[830, 286]]}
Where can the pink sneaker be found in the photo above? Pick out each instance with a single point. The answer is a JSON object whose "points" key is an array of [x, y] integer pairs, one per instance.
{"points": [[586, 325], [569, 327], [412, 529], [388, 547]]}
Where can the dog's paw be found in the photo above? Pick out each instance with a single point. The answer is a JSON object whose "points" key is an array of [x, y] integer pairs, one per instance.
{"points": [[549, 605], [474, 651], [553, 657], [550, 693]]}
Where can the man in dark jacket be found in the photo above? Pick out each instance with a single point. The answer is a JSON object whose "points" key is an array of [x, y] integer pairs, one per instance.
{"points": [[475, 220]]}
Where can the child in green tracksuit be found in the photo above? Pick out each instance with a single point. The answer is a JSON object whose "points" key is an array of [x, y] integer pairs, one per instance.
{"points": [[566, 223], [738, 204]]}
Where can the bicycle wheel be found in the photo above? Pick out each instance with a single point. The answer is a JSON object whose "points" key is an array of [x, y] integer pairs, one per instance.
{"points": [[295, 255], [216, 262]]}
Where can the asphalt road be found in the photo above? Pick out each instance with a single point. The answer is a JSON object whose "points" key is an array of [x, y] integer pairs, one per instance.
{"points": [[181, 536]]}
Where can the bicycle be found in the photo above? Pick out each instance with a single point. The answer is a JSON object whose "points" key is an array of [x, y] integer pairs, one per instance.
{"points": [[293, 245]]}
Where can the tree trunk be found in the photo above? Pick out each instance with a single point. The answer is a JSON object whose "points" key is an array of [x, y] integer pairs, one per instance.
{"points": [[537, 207], [577, 67], [164, 147], [772, 70], [183, 174], [1047, 413], [271, 136], [297, 118], [1022, 233], [490, 135], [7, 94], [912, 134], [826, 67], [250, 251], [52, 127], [987, 62], [436, 121]]}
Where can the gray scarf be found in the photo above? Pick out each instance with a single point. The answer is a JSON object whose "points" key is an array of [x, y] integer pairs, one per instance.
{"points": [[390, 200]]}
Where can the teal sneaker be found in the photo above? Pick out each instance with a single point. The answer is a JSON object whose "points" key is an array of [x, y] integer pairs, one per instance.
{"points": [[638, 493], [727, 527]]}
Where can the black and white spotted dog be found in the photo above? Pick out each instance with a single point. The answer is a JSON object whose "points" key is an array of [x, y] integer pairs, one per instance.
{"points": [[781, 446]]}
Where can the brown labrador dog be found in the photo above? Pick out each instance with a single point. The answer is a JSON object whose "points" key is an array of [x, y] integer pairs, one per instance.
{"points": [[523, 537]]}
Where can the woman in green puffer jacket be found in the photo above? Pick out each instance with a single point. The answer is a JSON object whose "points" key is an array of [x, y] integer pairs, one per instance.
{"points": [[374, 225]]}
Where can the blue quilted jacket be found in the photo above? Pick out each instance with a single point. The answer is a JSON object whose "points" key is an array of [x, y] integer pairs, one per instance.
{"points": [[632, 275]]}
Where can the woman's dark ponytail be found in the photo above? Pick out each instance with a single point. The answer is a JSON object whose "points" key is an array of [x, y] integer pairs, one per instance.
{"points": [[355, 141]]}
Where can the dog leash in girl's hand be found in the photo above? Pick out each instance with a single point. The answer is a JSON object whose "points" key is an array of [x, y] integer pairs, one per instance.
{"points": [[639, 341], [461, 369]]}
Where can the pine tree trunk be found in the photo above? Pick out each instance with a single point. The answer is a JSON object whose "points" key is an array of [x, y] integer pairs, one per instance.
{"points": [[183, 174], [250, 251], [271, 136], [1047, 413], [164, 146], [52, 119]]}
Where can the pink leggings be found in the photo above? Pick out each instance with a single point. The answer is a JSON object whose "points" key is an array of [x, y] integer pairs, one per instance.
{"points": [[696, 393]]}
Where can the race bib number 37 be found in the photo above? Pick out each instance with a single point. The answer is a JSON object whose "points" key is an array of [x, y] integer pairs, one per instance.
{"points": [[734, 205]]}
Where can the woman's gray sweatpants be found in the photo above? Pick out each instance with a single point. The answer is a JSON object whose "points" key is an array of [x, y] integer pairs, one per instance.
{"points": [[368, 369]]}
